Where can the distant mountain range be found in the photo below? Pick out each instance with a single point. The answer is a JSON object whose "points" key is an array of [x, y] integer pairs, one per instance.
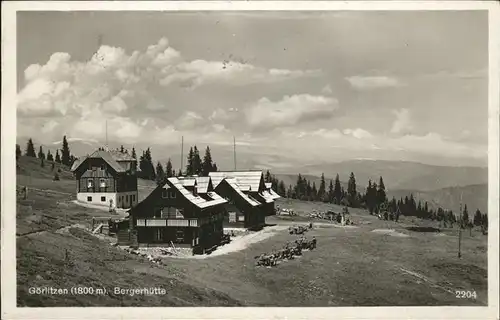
{"points": [[475, 196], [431, 182]]}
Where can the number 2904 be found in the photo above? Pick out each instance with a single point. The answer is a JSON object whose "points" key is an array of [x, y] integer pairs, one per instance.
{"points": [[465, 294]]}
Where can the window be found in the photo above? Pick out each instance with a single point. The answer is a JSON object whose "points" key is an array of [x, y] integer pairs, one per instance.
{"points": [[232, 216], [179, 213], [103, 167], [103, 199], [90, 183], [103, 183], [89, 199], [172, 194], [157, 212], [164, 194], [179, 236], [241, 218], [159, 235]]}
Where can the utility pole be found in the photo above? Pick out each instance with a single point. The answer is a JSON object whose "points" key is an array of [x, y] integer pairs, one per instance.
{"points": [[460, 229], [182, 153], [234, 151]]}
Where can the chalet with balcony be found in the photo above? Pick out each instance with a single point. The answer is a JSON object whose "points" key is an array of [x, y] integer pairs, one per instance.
{"points": [[176, 213], [249, 201], [107, 178]]}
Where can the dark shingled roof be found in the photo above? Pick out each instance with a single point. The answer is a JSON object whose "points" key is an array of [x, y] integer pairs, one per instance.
{"points": [[111, 157]]}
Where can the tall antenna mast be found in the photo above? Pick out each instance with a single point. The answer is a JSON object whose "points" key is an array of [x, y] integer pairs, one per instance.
{"points": [[107, 146], [182, 153], [234, 150]]}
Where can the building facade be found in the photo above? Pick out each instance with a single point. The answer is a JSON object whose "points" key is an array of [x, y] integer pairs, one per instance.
{"points": [[175, 213], [107, 178], [249, 200]]}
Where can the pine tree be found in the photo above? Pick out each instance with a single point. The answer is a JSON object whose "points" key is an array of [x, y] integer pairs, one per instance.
{"points": [[207, 165], [337, 190], [190, 162], [214, 167], [322, 188], [465, 217], [173, 173], [282, 189], [289, 193], [330, 192], [42, 162], [18, 151], [197, 164], [371, 197], [168, 169], [314, 192], [267, 177], [122, 149], [50, 157], [30, 149], [351, 191], [133, 153], [179, 173], [478, 218], [160, 174], [65, 153], [149, 164], [58, 157], [381, 195], [41, 155]]}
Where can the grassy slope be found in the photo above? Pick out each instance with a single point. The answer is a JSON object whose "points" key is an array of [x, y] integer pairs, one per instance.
{"points": [[350, 266]]}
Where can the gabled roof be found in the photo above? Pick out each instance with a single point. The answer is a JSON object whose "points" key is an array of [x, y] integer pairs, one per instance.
{"points": [[250, 178], [105, 155], [196, 200], [266, 196], [202, 184], [232, 184], [274, 194], [187, 181]]}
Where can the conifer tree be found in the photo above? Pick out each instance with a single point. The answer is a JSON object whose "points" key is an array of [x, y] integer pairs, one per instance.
{"points": [[337, 190], [42, 162], [197, 163], [41, 155], [30, 149], [478, 218], [122, 149], [282, 189], [371, 201], [58, 157], [314, 192], [160, 174], [18, 151], [65, 153], [190, 164], [330, 192], [267, 177], [465, 217], [207, 165], [50, 157], [133, 153], [351, 191], [174, 174], [168, 169], [322, 188], [214, 167], [381, 195]]}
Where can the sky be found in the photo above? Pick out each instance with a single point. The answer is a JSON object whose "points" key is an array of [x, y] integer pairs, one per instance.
{"points": [[312, 85]]}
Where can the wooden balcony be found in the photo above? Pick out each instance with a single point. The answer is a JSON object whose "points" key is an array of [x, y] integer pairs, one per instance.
{"points": [[162, 222]]}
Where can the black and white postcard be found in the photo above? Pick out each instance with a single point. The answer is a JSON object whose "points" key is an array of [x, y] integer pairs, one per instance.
{"points": [[284, 160]]}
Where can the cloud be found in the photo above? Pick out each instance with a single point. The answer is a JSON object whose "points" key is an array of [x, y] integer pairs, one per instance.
{"points": [[402, 122], [372, 82], [358, 133], [189, 120], [290, 110], [114, 82], [326, 89]]}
